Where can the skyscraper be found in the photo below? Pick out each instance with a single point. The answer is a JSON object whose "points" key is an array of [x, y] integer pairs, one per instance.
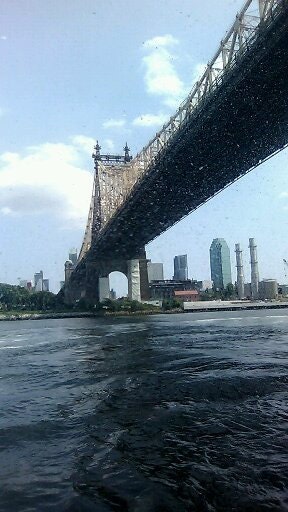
{"points": [[73, 256], [180, 268], [40, 284], [220, 263], [38, 281], [45, 285], [155, 271]]}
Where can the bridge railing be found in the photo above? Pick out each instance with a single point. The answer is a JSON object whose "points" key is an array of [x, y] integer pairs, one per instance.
{"points": [[236, 42]]}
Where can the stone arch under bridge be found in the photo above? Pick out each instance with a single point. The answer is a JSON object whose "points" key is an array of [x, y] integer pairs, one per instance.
{"points": [[118, 284]]}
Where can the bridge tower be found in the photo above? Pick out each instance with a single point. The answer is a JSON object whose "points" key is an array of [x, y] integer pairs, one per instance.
{"points": [[114, 176]]}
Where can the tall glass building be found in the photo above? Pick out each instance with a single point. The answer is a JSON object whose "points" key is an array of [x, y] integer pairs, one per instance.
{"points": [[220, 263], [180, 268]]}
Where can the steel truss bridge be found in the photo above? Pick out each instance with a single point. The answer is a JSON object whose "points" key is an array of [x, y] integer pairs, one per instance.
{"points": [[234, 118]]}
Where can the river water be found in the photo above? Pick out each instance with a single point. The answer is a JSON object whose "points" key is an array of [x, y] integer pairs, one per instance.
{"points": [[163, 413]]}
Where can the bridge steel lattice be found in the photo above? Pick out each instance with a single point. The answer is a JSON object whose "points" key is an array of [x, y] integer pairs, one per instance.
{"points": [[235, 117]]}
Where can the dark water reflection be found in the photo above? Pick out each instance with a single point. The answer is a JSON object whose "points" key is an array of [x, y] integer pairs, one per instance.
{"points": [[167, 413]]}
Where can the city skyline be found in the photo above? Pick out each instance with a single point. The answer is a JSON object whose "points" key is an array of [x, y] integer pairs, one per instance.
{"points": [[119, 281], [56, 103]]}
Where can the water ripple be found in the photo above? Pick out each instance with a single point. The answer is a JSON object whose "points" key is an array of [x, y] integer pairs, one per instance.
{"points": [[167, 413]]}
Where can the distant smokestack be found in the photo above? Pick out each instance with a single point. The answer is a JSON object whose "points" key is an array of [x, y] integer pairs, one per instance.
{"points": [[240, 273], [254, 268]]}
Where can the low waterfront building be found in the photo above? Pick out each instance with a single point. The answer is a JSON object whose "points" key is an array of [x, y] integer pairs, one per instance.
{"points": [[160, 290], [187, 295]]}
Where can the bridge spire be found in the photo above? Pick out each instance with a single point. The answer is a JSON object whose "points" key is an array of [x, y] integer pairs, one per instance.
{"points": [[96, 155], [127, 157]]}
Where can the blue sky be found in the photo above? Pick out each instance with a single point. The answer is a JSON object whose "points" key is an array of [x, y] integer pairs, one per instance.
{"points": [[113, 70]]}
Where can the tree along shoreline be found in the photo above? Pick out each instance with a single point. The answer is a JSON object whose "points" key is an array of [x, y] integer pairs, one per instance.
{"points": [[17, 303]]}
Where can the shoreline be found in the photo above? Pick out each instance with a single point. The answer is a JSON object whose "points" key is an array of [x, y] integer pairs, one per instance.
{"points": [[209, 307], [40, 316]]}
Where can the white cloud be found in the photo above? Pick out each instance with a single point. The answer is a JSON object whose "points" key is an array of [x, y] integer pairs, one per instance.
{"points": [[161, 77], [108, 145], [49, 179], [198, 71], [114, 123], [283, 195], [4, 38], [150, 120], [85, 143], [5, 210], [156, 42]]}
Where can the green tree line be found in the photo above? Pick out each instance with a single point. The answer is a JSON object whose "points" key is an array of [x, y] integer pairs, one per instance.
{"points": [[18, 298]]}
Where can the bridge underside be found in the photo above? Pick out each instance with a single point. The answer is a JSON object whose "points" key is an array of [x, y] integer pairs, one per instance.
{"points": [[243, 122]]}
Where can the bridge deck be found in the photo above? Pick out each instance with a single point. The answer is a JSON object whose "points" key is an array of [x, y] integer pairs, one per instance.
{"points": [[241, 123]]}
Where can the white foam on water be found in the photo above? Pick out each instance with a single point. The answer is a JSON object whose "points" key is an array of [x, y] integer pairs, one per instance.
{"points": [[11, 347], [276, 316]]}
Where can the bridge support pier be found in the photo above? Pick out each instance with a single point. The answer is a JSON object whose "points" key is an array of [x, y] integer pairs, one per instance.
{"points": [[91, 283], [133, 269]]}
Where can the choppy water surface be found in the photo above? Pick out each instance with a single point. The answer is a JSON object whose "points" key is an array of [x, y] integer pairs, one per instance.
{"points": [[166, 413]]}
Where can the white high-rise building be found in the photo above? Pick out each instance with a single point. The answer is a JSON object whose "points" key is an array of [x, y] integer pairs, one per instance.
{"points": [[45, 285], [38, 281]]}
